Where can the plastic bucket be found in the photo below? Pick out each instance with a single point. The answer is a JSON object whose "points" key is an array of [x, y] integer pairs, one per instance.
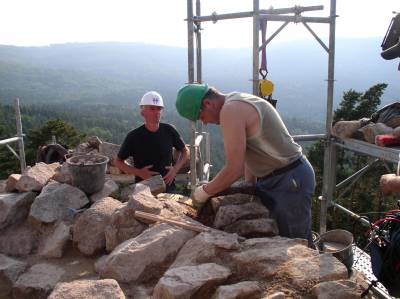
{"points": [[88, 172], [339, 242]]}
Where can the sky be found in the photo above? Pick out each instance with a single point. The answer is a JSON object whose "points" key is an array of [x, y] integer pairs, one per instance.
{"points": [[45, 22]]}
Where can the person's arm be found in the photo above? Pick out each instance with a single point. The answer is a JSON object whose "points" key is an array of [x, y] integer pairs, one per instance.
{"points": [[173, 170], [143, 173], [233, 126]]}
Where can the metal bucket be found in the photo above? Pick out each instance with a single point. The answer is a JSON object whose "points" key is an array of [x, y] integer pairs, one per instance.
{"points": [[339, 242], [88, 172]]}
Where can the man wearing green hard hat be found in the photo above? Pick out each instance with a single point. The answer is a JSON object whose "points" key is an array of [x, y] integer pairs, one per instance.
{"points": [[257, 145]]}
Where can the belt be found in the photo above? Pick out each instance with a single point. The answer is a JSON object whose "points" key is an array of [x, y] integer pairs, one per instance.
{"points": [[284, 169]]}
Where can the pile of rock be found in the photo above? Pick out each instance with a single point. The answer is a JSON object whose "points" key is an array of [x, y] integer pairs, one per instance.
{"points": [[58, 242]]}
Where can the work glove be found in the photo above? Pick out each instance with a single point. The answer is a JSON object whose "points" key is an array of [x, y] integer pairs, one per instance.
{"points": [[199, 197]]}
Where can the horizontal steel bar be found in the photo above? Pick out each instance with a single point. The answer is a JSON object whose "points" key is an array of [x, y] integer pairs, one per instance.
{"points": [[9, 140], [296, 19], [216, 17], [309, 137]]}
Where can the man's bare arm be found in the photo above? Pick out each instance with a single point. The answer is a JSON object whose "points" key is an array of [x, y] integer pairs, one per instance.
{"points": [[173, 170]]}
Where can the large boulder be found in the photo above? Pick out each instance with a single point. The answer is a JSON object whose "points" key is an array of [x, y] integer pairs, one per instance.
{"points": [[340, 289], [145, 257], [55, 200], [88, 230], [110, 187], [10, 270], [11, 183], [85, 289], [189, 281], [123, 226], [229, 214], [36, 177], [54, 243], [19, 240], [38, 281], [14, 207], [254, 228]]}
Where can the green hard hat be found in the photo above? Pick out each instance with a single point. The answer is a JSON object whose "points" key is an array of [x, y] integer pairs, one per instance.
{"points": [[188, 100]]}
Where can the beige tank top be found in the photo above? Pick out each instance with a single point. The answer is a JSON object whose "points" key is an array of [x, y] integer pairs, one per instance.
{"points": [[272, 147]]}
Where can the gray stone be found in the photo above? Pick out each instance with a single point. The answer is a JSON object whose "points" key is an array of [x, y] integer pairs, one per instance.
{"points": [[55, 200], [86, 289], [145, 256], [109, 188], [244, 289], [229, 214], [206, 247], [88, 230], [144, 201], [109, 150], [18, 240], [63, 174], [53, 246], [252, 228], [123, 226], [14, 207], [37, 282], [232, 199], [10, 270], [189, 281]]}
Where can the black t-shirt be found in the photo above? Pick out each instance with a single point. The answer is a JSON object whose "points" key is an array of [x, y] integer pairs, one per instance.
{"points": [[151, 148]]}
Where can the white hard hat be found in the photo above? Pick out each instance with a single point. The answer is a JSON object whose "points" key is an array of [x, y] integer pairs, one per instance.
{"points": [[152, 98]]}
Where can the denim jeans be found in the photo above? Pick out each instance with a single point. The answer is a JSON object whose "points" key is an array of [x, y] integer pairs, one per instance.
{"points": [[288, 196]]}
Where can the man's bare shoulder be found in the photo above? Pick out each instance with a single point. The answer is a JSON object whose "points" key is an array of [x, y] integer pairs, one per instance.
{"points": [[238, 109]]}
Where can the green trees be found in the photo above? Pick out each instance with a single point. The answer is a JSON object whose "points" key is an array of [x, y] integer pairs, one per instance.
{"points": [[363, 196]]}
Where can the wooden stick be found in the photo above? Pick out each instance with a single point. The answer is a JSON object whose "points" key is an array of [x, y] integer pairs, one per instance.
{"points": [[186, 225]]}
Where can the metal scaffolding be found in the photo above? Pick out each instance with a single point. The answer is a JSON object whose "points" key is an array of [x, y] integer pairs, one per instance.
{"points": [[19, 138]]}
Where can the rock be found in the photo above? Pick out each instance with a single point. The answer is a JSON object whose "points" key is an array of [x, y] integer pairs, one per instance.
{"points": [[229, 214], [14, 207], [155, 186], [341, 289], [36, 177], [10, 270], [144, 201], [190, 281], [18, 240], [371, 130], [94, 142], [206, 247], [53, 202], [53, 246], [345, 129], [37, 282], [254, 228], [232, 199], [261, 258], [109, 188], [146, 256], [63, 174], [85, 289], [121, 178], [88, 230], [311, 270], [11, 184], [109, 150], [155, 183], [123, 226], [244, 289], [276, 295]]}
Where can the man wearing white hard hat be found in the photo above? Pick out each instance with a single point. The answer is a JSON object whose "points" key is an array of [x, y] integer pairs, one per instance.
{"points": [[150, 145]]}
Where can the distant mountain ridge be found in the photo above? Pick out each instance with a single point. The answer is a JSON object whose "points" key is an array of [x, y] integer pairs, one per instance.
{"points": [[122, 72]]}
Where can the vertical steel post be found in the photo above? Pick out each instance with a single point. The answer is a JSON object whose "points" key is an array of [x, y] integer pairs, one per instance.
{"points": [[20, 135], [329, 172], [256, 37], [190, 26]]}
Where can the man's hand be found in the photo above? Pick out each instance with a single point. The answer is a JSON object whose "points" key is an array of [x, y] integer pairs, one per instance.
{"points": [[200, 196], [170, 176], [145, 172]]}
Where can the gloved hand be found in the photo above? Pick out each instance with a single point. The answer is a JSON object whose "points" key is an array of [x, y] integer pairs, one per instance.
{"points": [[200, 197]]}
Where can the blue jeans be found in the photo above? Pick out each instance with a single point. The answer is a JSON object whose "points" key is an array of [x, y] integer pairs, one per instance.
{"points": [[288, 196]]}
